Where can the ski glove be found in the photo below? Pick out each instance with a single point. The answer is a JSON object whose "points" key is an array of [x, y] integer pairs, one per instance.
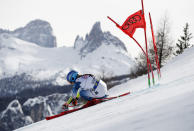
{"points": [[74, 101], [65, 106]]}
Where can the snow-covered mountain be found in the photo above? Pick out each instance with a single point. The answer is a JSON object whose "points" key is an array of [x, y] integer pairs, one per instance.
{"points": [[37, 31], [28, 70], [103, 55], [167, 106], [21, 56]]}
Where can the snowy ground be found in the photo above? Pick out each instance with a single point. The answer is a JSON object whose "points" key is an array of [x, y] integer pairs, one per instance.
{"points": [[167, 106]]}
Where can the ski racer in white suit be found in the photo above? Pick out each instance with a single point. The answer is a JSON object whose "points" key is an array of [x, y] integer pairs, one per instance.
{"points": [[85, 86]]}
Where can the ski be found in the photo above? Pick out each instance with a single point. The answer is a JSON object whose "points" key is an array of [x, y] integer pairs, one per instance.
{"points": [[88, 104]]}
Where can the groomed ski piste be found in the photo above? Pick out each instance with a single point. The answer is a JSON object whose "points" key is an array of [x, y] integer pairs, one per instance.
{"points": [[166, 106]]}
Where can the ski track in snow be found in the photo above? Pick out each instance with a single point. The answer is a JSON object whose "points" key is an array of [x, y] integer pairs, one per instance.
{"points": [[167, 106]]}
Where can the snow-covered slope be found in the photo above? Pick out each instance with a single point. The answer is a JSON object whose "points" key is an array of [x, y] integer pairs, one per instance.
{"points": [[110, 63], [167, 106], [21, 56]]}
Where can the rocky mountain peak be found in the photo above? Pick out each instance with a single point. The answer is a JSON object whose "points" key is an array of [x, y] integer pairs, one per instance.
{"points": [[37, 26], [96, 32], [95, 39], [38, 22], [37, 31], [79, 43]]}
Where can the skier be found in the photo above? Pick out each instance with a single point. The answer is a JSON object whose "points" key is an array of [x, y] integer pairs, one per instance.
{"points": [[85, 86]]}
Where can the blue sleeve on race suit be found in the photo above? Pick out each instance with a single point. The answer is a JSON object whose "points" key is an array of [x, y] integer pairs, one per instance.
{"points": [[76, 86]]}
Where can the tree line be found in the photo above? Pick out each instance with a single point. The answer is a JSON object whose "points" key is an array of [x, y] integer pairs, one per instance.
{"points": [[166, 47]]}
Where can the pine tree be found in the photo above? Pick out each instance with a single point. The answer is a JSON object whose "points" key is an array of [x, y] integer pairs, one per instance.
{"points": [[183, 42]]}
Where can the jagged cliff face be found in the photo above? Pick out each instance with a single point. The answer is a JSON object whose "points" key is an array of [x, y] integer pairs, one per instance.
{"points": [[37, 31], [37, 108], [33, 110], [40, 107], [95, 39], [13, 117]]}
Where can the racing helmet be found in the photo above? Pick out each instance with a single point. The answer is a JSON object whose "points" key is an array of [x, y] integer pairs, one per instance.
{"points": [[72, 76]]}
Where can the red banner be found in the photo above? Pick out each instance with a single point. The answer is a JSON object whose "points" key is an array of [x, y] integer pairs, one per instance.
{"points": [[134, 21]]}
